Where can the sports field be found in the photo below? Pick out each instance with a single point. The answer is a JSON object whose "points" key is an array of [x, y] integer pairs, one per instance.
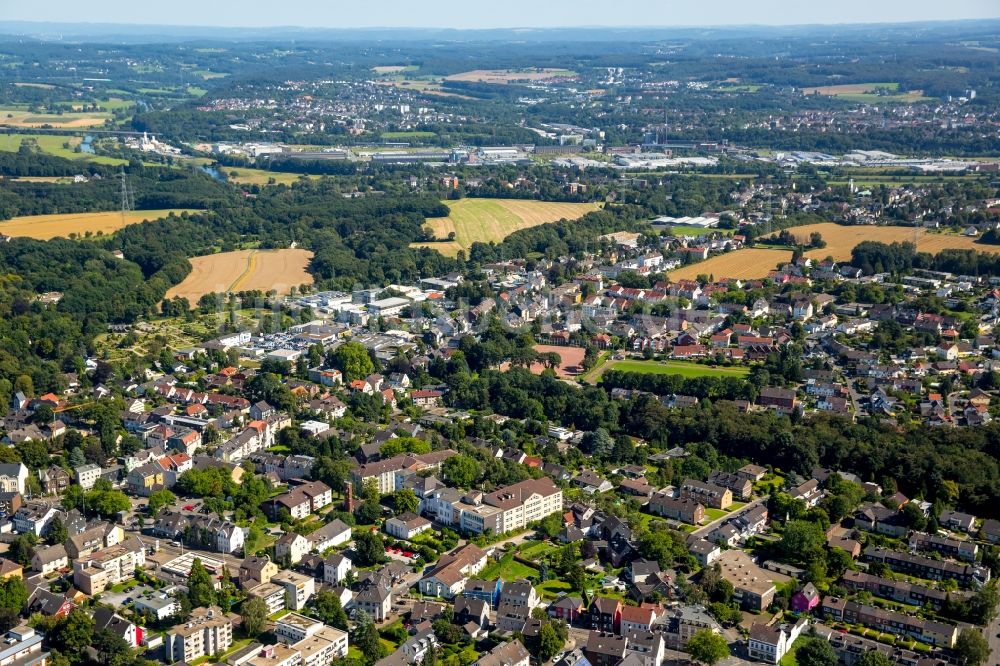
{"points": [[44, 227], [492, 220], [746, 264], [682, 368], [244, 270]]}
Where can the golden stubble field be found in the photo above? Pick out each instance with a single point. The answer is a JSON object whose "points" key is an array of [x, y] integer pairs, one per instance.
{"points": [[751, 263], [492, 220], [746, 264], [506, 76], [244, 270], [840, 240], [45, 227]]}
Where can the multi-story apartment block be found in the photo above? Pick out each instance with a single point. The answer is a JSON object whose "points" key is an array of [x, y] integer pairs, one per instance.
{"points": [[708, 494], [208, 632], [299, 588], [504, 510], [103, 568], [389, 474]]}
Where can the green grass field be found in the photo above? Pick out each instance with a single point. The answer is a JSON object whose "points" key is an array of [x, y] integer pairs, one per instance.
{"points": [[408, 135], [58, 146], [683, 368], [247, 176], [508, 569]]}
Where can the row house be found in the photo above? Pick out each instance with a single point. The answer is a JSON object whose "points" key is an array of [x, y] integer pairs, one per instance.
{"points": [[686, 510], [928, 631], [897, 590], [925, 567], [741, 487]]}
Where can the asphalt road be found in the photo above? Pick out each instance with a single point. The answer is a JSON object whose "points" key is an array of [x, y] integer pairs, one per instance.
{"points": [[702, 531], [991, 632]]}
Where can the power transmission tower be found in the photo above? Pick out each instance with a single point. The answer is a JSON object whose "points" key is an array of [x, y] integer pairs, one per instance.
{"points": [[128, 202]]}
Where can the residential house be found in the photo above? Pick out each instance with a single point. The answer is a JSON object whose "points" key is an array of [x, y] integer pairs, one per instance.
{"points": [[770, 643]]}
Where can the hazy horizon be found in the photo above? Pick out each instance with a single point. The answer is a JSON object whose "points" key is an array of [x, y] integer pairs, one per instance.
{"points": [[450, 14]]}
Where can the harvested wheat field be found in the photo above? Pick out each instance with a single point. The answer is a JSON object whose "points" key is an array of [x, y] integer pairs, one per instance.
{"points": [[850, 88], [244, 270], [505, 76], [45, 227], [492, 220], [747, 264], [18, 118], [840, 240]]}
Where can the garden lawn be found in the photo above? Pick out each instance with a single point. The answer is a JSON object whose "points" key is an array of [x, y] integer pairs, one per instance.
{"points": [[507, 569], [553, 589], [714, 514], [534, 550]]}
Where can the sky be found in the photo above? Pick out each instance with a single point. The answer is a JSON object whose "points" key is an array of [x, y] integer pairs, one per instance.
{"points": [[474, 14]]}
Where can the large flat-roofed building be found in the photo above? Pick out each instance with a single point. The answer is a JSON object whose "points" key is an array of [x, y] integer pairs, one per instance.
{"points": [[294, 627], [209, 631], [23, 647], [388, 307], [753, 586], [275, 655], [299, 588], [271, 594], [323, 647]]}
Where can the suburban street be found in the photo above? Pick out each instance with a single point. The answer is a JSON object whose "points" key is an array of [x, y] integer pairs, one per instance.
{"points": [[991, 631], [702, 531]]}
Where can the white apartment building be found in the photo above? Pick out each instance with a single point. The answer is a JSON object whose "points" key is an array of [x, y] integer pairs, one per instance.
{"points": [[299, 588], [209, 631], [87, 475], [507, 509]]}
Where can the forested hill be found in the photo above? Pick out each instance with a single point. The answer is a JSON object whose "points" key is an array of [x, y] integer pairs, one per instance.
{"points": [[152, 188]]}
